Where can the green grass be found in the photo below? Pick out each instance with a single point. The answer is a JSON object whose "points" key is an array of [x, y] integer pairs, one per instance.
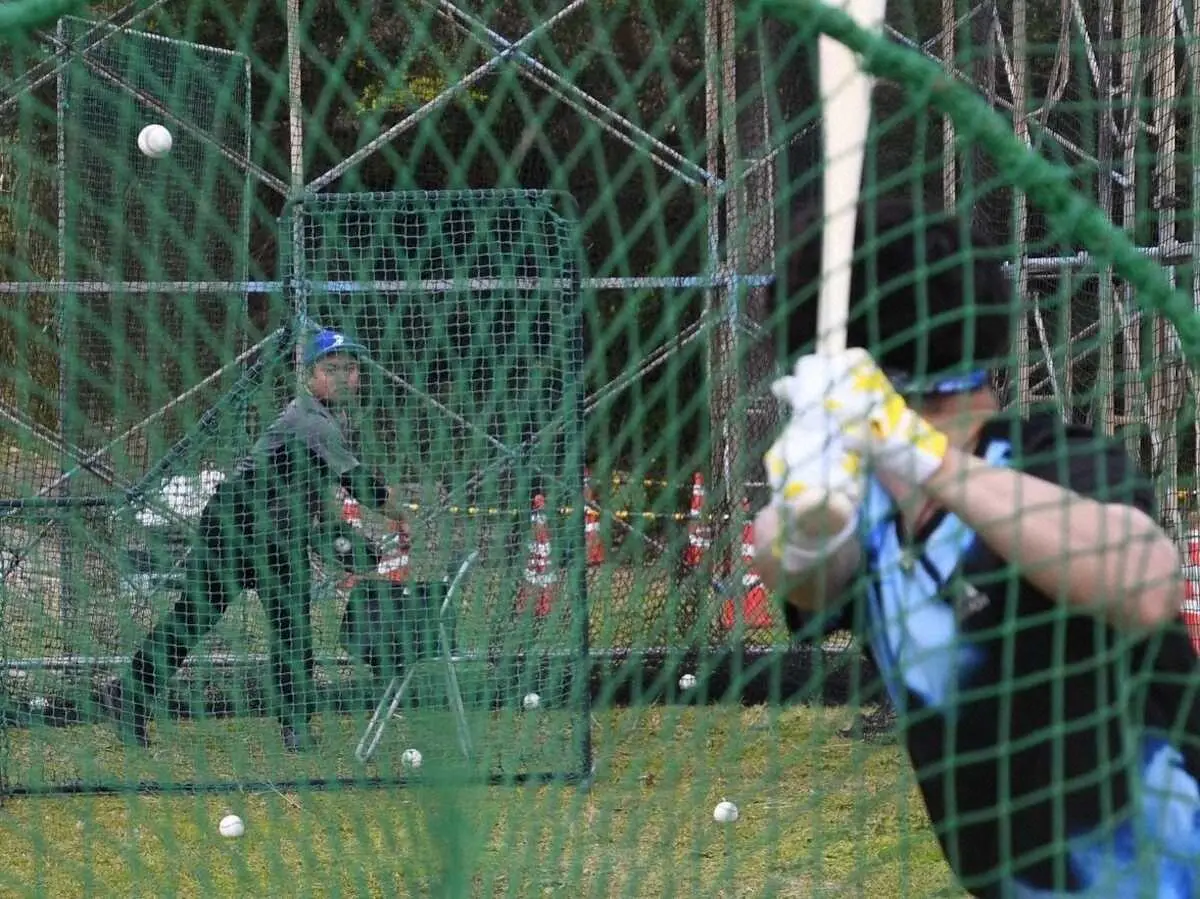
{"points": [[820, 815]]}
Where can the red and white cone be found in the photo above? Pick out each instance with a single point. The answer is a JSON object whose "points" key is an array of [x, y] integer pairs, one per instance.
{"points": [[1191, 599], [699, 534], [393, 562], [351, 511], [1191, 555], [351, 515], [591, 522], [755, 602], [537, 588]]}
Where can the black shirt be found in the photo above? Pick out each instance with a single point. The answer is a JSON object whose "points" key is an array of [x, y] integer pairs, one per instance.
{"points": [[1037, 731], [293, 470]]}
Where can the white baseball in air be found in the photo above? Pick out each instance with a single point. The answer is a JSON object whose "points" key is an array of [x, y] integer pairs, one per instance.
{"points": [[531, 701], [725, 812], [687, 682], [232, 826], [411, 758], [155, 141]]}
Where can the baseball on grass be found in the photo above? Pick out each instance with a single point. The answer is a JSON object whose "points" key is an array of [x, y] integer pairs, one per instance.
{"points": [[232, 826], [687, 682], [725, 812], [411, 758], [531, 701], [155, 141]]}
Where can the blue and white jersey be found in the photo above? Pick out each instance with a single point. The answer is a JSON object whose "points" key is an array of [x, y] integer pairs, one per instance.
{"points": [[1056, 756]]}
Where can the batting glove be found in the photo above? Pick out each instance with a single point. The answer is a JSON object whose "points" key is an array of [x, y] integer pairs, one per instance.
{"points": [[816, 483], [875, 421]]}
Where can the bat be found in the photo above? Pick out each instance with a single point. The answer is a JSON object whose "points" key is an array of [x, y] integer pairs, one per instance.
{"points": [[845, 118]]}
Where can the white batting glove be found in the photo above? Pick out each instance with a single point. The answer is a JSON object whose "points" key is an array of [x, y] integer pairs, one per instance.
{"points": [[876, 422], [816, 484]]}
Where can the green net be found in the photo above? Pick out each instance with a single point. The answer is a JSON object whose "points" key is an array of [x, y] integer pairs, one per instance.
{"points": [[384, 394]]}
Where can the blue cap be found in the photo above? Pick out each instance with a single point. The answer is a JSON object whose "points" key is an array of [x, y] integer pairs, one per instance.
{"points": [[325, 342], [949, 385]]}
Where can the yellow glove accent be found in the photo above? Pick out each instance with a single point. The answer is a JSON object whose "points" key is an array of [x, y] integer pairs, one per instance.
{"points": [[876, 421]]}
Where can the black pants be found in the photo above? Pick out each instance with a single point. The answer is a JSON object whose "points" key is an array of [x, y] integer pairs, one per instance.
{"points": [[234, 552]]}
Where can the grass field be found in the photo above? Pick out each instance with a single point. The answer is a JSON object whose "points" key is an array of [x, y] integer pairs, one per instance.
{"points": [[820, 816]]}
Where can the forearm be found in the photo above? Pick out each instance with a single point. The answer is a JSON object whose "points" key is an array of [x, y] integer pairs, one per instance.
{"points": [[811, 590], [1110, 558]]}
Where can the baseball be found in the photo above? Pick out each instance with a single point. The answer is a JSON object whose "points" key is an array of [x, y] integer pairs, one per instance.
{"points": [[531, 701], [687, 682], [232, 826], [725, 812], [411, 758], [155, 141]]}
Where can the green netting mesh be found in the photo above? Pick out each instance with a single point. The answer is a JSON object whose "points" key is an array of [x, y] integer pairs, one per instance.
{"points": [[469, 604]]}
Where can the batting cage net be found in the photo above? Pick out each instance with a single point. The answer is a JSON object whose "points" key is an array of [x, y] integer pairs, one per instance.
{"points": [[401, 490]]}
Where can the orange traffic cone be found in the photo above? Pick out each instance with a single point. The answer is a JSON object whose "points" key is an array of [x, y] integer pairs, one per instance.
{"points": [[591, 522], [351, 515], [394, 561], [540, 578], [1191, 600], [699, 534], [351, 511], [1192, 549], [755, 603]]}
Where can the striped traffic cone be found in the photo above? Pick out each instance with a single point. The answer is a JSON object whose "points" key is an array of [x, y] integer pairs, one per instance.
{"points": [[351, 515], [699, 534], [591, 522], [393, 562], [540, 579], [755, 602], [1191, 598], [351, 511]]}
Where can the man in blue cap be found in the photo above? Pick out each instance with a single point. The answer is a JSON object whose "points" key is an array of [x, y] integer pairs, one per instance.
{"points": [[254, 534]]}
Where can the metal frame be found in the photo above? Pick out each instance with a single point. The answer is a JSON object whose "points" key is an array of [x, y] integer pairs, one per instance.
{"points": [[1145, 84], [726, 277], [723, 284], [65, 52], [574, 401], [393, 694], [725, 281]]}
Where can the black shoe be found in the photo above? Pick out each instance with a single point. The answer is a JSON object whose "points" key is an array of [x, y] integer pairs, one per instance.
{"points": [[878, 726], [296, 739], [133, 724]]}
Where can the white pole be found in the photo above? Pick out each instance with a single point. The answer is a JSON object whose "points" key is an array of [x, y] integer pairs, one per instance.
{"points": [[296, 149]]}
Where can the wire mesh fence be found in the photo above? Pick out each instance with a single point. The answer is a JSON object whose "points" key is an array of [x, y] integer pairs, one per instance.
{"points": [[557, 239]]}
